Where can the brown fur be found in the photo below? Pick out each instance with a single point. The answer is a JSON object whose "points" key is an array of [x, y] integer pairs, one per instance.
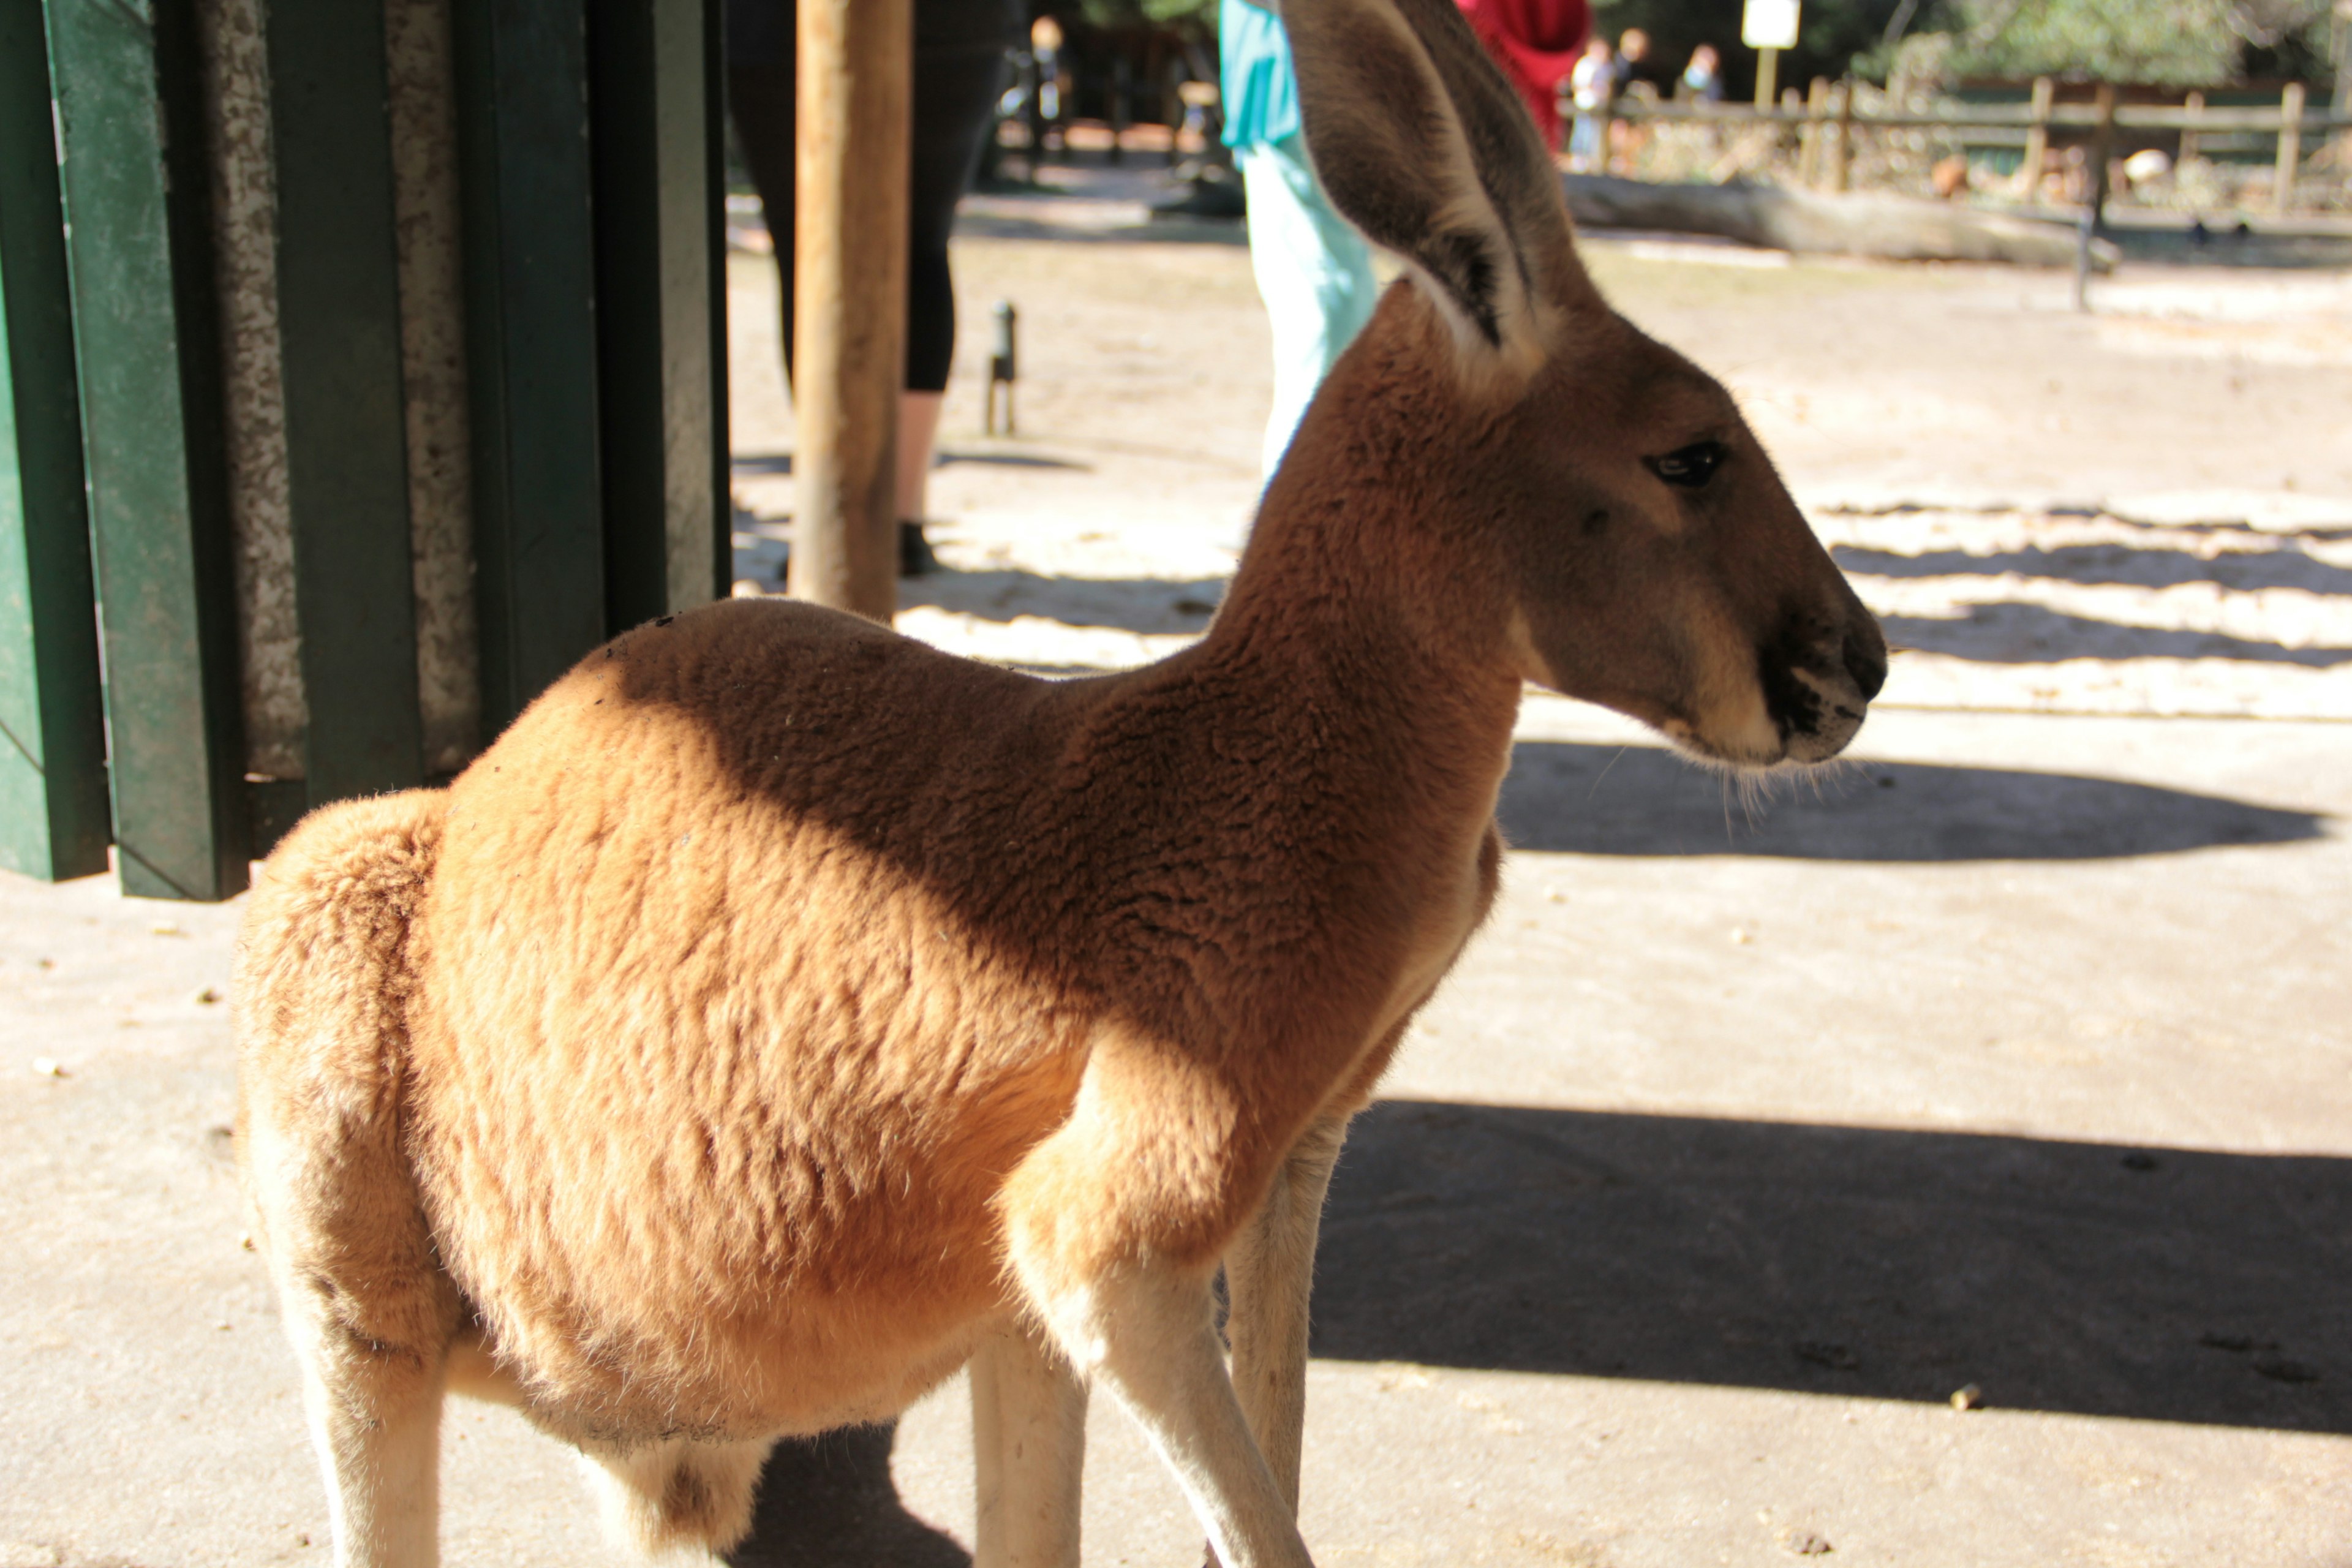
{"points": [[781, 1004]]}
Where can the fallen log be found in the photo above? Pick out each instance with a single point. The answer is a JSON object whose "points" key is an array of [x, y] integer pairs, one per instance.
{"points": [[1890, 228]]}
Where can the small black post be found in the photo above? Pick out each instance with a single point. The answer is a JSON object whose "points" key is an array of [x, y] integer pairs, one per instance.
{"points": [[2094, 210], [1121, 74], [1001, 366]]}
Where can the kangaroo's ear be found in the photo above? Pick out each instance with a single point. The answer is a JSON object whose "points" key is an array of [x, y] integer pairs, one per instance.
{"points": [[1423, 146]]}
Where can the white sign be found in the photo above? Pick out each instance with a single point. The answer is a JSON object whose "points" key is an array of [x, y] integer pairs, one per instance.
{"points": [[1769, 25]]}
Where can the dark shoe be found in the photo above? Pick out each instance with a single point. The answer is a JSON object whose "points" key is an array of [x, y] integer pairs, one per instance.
{"points": [[915, 557]]}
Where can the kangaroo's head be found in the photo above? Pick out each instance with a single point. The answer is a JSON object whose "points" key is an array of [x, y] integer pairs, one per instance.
{"points": [[1659, 565]]}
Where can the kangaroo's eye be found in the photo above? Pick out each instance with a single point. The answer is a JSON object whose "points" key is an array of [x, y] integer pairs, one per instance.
{"points": [[1691, 467]]}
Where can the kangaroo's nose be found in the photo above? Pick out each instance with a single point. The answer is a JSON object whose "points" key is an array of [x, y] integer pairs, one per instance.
{"points": [[1865, 659]]}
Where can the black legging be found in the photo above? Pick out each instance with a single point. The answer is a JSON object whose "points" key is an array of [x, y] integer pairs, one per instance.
{"points": [[959, 75]]}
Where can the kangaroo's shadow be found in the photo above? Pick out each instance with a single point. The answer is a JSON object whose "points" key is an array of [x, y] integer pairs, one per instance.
{"points": [[828, 1501], [2157, 1284], [1643, 800]]}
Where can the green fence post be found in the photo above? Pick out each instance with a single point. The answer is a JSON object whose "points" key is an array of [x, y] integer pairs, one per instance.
{"points": [[346, 440], [53, 811], [649, 104], [530, 328], [127, 80], [722, 438]]}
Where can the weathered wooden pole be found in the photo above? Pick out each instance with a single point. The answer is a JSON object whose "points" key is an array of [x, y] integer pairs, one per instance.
{"points": [[1842, 150], [2290, 147], [1809, 144], [2037, 138], [850, 305], [2193, 108]]}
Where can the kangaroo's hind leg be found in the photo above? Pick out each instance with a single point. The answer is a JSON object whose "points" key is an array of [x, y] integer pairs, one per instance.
{"points": [[1029, 1447], [322, 1049]]}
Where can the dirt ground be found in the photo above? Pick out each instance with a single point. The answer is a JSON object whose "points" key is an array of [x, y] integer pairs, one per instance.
{"points": [[2014, 1056]]}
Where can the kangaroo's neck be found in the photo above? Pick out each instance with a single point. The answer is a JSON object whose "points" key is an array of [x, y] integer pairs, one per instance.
{"points": [[1373, 579]]}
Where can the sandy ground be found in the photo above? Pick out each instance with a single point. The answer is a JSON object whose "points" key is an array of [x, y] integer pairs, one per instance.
{"points": [[2014, 1054]]}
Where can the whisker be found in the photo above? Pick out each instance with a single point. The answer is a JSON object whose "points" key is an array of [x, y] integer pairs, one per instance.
{"points": [[1604, 773]]}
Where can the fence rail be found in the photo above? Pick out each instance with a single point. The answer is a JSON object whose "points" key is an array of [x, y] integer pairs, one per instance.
{"points": [[2071, 116], [1828, 117]]}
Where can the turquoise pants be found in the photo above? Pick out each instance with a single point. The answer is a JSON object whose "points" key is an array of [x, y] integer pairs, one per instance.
{"points": [[1314, 271]]}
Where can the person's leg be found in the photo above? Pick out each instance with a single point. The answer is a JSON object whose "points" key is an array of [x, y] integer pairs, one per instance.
{"points": [[762, 99], [919, 428], [960, 74], [1313, 270], [958, 79]]}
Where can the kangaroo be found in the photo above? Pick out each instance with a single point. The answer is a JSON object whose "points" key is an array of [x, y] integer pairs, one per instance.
{"points": [[781, 1014]]}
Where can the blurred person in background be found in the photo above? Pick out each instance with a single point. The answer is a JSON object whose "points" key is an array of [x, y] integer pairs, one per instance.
{"points": [[959, 73], [1314, 271], [1703, 78], [1593, 84], [1637, 78]]}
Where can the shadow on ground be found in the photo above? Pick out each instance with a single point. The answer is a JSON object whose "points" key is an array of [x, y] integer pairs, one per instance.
{"points": [[2241, 570], [2148, 1284], [2160, 1284], [1129, 604], [829, 1503], [1637, 800], [2031, 634]]}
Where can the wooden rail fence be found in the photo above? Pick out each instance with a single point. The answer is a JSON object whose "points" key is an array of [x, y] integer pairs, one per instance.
{"points": [[1827, 118]]}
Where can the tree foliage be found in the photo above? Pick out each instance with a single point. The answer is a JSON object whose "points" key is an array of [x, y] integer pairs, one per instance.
{"points": [[2177, 43], [1195, 17]]}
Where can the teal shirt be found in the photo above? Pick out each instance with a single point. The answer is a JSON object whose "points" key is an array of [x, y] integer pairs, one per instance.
{"points": [[1254, 76]]}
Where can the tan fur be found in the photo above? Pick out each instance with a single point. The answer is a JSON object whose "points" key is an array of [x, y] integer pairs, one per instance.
{"points": [[782, 1009]]}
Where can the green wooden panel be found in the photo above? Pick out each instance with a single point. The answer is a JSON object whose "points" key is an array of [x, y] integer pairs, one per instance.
{"points": [[346, 439], [722, 455], [530, 328], [147, 342], [649, 66], [53, 810]]}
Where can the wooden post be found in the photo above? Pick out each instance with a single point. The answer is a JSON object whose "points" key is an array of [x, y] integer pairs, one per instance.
{"points": [[53, 810], [1768, 71], [2194, 106], [849, 310], [1841, 151], [2339, 39], [2037, 138], [2290, 147], [1809, 145]]}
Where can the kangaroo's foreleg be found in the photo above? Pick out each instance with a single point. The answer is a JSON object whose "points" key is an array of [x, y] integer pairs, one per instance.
{"points": [[1103, 1222], [1029, 1446], [1269, 1272], [1159, 1354]]}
